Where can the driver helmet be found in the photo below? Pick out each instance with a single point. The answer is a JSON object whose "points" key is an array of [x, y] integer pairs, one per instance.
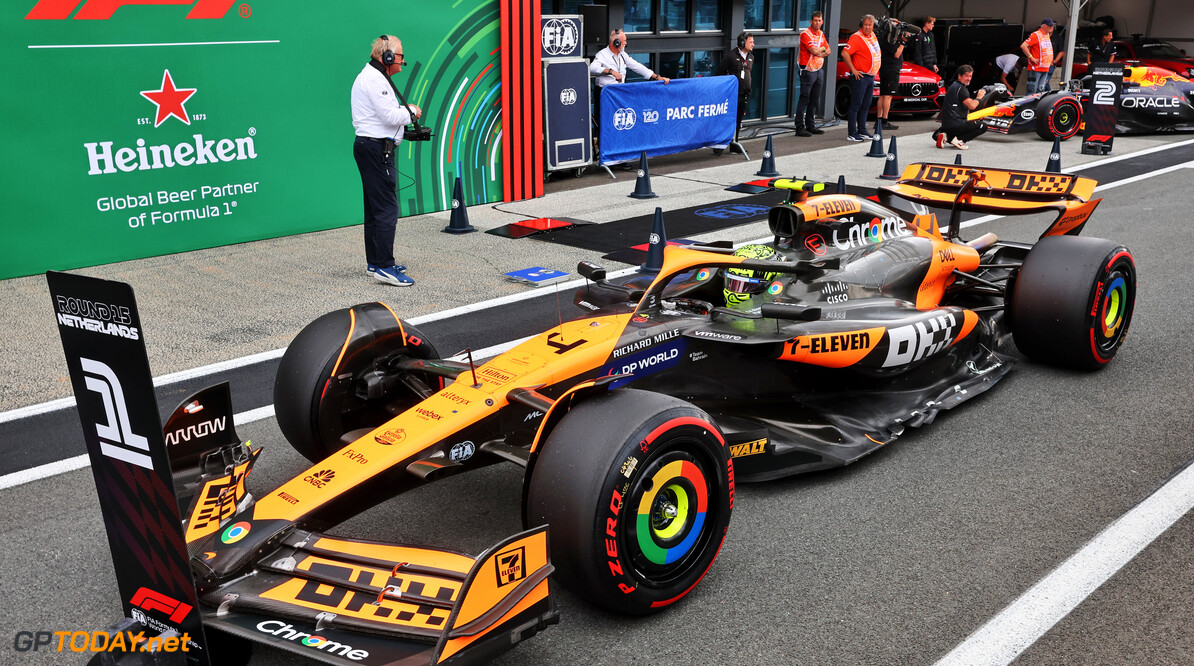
{"points": [[741, 284]]}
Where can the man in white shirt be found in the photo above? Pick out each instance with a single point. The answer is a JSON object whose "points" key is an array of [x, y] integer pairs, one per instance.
{"points": [[611, 64], [380, 119]]}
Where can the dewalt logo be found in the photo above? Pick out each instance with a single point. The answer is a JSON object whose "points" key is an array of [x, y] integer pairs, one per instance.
{"points": [[102, 10]]}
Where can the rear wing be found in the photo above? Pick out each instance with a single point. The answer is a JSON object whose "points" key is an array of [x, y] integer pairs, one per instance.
{"points": [[999, 192]]}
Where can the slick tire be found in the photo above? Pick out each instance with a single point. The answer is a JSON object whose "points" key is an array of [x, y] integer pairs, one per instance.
{"points": [[1071, 302], [1058, 116], [841, 99], [637, 489], [338, 376]]}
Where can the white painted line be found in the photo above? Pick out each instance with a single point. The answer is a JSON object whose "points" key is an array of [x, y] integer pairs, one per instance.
{"points": [[134, 46], [261, 413], [1011, 632], [43, 471]]}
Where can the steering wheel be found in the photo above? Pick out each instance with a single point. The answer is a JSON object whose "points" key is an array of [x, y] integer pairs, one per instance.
{"points": [[690, 305]]}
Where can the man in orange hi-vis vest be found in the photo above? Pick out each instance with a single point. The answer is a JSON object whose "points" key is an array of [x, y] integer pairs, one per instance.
{"points": [[863, 57], [813, 49], [1039, 49]]}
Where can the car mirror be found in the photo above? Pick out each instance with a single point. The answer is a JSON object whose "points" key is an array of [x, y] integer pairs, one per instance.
{"points": [[591, 271], [791, 312]]}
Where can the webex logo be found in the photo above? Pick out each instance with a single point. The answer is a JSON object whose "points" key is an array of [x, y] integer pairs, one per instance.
{"points": [[103, 9]]}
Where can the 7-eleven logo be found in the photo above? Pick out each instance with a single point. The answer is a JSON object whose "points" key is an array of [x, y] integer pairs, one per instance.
{"points": [[103, 9]]}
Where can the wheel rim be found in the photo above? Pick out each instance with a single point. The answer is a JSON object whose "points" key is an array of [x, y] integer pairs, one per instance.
{"points": [[672, 499], [1113, 311], [1065, 119]]}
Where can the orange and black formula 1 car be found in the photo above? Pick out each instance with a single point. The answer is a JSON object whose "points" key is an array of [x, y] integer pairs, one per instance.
{"points": [[634, 423]]}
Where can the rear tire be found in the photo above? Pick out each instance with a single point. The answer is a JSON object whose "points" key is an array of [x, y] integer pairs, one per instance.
{"points": [[336, 377], [1072, 301], [1058, 116], [638, 489]]}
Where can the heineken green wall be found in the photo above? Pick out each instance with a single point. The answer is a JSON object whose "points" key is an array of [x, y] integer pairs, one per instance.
{"points": [[140, 130]]}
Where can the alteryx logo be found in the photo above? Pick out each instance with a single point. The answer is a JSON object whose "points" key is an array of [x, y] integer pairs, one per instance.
{"points": [[103, 10]]}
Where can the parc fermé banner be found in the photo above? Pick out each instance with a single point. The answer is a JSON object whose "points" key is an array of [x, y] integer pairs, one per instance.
{"points": [[662, 119], [137, 128]]}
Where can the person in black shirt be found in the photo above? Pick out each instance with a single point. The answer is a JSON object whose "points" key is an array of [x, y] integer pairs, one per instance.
{"points": [[1104, 49], [955, 129], [891, 50], [739, 63], [924, 49]]}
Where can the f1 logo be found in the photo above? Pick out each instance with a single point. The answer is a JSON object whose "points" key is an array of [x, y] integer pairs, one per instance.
{"points": [[156, 601], [103, 9], [117, 439], [511, 566]]}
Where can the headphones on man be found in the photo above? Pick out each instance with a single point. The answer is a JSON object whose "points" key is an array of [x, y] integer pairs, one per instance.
{"points": [[617, 42], [387, 56], [742, 37]]}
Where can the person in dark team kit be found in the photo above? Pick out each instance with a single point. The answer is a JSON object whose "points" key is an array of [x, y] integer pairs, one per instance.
{"points": [[738, 63], [380, 119], [955, 129]]}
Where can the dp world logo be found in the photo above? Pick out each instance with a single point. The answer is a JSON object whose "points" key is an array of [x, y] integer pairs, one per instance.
{"points": [[733, 211], [624, 119], [568, 96], [559, 37]]}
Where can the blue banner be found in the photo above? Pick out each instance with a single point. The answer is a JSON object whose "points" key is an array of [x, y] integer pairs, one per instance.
{"points": [[662, 119]]}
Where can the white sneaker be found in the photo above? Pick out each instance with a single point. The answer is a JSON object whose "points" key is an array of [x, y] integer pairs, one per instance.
{"points": [[959, 144]]}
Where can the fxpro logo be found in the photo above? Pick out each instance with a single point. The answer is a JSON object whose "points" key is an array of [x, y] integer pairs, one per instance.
{"points": [[169, 100], [103, 9], [287, 632], [117, 439]]}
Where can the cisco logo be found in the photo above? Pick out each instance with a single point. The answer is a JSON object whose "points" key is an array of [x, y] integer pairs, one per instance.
{"points": [[568, 96], [624, 119]]}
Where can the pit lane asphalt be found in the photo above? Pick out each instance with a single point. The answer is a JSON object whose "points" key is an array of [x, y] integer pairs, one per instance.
{"points": [[893, 560]]}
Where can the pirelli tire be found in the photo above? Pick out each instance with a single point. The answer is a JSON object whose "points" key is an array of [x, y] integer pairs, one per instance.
{"points": [[1058, 115], [338, 376], [637, 488], [1071, 302]]}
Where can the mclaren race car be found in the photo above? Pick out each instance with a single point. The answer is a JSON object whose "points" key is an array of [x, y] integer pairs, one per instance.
{"points": [[632, 423], [1153, 100]]}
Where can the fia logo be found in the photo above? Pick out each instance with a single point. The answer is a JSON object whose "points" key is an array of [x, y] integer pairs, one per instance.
{"points": [[117, 439], [559, 36], [568, 96], [462, 451], [624, 119]]}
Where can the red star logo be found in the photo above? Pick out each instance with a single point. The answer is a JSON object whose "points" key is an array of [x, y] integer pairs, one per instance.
{"points": [[170, 100]]}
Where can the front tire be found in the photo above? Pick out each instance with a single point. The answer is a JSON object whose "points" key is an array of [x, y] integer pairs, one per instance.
{"points": [[1072, 301], [638, 489], [1058, 116], [337, 376]]}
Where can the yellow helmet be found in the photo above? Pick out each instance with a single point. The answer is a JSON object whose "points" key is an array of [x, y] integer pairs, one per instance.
{"points": [[743, 283]]}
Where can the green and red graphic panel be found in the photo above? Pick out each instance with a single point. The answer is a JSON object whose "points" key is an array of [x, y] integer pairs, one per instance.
{"points": [[136, 130]]}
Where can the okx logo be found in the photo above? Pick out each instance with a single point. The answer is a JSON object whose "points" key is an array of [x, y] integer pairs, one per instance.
{"points": [[117, 439], [103, 9]]}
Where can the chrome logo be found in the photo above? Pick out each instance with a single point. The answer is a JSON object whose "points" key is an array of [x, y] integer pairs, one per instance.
{"points": [[703, 274], [235, 532], [775, 288]]}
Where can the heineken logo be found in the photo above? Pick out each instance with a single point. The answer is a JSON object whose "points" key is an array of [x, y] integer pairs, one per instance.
{"points": [[170, 100], [104, 157]]}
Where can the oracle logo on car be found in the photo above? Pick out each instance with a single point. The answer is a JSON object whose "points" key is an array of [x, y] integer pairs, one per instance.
{"points": [[103, 9]]}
